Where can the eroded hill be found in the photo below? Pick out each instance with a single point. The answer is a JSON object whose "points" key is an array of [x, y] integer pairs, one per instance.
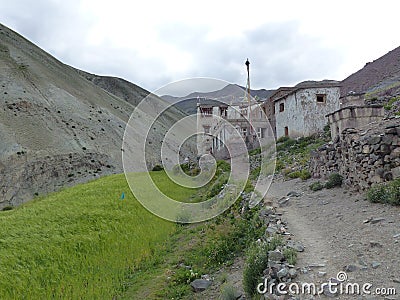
{"points": [[59, 125]]}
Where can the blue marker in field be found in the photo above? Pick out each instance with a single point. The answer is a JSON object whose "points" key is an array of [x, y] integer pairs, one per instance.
{"points": [[122, 196]]}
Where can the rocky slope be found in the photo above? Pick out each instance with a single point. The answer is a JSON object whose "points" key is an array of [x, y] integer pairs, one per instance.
{"points": [[380, 77], [59, 125]]}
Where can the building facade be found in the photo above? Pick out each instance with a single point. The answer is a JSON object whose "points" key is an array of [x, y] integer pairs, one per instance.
{"points": [[224, 125], [301, 110]]}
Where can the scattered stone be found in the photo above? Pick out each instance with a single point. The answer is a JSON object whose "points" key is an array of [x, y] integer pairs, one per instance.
{"points": [[292, 273], [271, 230], [350, 268], [206, 277], [282, 273], [375, 264], [321, 274], [200, 285], [275, 256], [331, 293], [367, 221], [376, 220], [316, 266], [296, 246], [284, 201], [396, 236], [294, 194], [304, 270], [374, 244]]}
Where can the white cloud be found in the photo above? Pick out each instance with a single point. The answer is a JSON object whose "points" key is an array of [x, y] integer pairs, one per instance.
{"points": [[154, 42]]}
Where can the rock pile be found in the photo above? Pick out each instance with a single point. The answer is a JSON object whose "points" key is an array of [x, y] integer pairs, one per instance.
{"points": [[362, 156], [279, 270]]}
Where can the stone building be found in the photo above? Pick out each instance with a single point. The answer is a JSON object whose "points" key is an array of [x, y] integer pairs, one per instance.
{"points": [[301, 110], [220, 135]]}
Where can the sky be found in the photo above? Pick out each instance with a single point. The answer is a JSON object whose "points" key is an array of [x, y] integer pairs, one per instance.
{"points": [[154, 43]]}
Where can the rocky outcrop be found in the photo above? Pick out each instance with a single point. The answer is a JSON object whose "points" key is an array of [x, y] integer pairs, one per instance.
{"points": [[363, 157]]}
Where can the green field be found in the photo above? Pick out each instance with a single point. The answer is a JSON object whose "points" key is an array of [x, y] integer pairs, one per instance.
{"points": [[79, 243]]}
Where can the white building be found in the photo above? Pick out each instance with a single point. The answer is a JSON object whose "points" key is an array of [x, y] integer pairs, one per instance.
{"points": [[211, 120], [301, 110]]}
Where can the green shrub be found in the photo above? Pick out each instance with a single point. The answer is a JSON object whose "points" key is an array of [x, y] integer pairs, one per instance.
{"points": [[334, 181], [285, 145], [282, 139], [256, 263], [385, 193], [303, 174], [157, 168], [255, 173], [316, 186], [389, 105], [290, 255], [223, 166], [255, 151], [183, 275], [377, 194], [228, 292]]}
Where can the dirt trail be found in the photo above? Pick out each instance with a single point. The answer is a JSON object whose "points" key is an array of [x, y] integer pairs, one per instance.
{"points": [[339, 229]]}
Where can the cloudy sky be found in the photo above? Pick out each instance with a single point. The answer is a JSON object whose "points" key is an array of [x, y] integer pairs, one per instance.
{"points": [[152, 43]]}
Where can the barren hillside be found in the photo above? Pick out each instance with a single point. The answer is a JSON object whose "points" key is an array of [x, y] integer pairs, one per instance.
{"points": [[58, 125], [382, 76]]}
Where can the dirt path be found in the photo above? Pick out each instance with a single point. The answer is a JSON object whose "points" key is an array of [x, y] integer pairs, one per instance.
{"points": [[339, 229]]}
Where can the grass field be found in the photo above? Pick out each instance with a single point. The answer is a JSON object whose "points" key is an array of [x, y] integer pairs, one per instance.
{"points": [[79, 243]]}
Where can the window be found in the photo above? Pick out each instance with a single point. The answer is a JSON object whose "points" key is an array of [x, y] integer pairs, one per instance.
{"points": [[243, 111], [286, 131], [281, 107], [261, 132], [206, 129], [321, 98], [244, 130], [223, 111], [206, 111]]}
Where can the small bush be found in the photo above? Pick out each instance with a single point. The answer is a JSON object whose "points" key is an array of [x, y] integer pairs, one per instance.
{"points": [[334, 181], [303, 174], [228, 292], [290, 255], [255, 151], [282, 139], [157, 168], [316, 186], [223, 166], [385, 193], [185, 276], [285, 145], [256, 263]]}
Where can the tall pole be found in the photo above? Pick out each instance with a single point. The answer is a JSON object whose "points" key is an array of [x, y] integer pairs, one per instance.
{"points": [[247, 63]]}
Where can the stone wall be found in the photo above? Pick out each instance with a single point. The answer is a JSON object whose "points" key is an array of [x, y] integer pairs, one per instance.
{"points": [[354, 117], [363, 156]]}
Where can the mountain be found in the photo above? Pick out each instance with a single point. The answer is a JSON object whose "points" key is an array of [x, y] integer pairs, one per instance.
{"points": [[378, 78], [59, 125], [231, 92]]}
